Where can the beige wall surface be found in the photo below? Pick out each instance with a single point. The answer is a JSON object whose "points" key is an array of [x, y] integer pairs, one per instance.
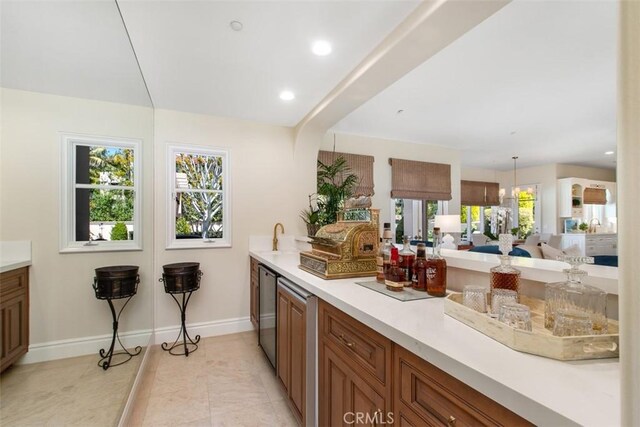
{"points": [[382, 150], [62, 302], [262, 188], [573, 171], [478, 174]]}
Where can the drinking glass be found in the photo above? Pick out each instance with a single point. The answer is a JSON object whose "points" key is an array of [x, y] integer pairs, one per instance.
{"points": [[475, 297], [569, 323], [499, 297], [516, 315]]}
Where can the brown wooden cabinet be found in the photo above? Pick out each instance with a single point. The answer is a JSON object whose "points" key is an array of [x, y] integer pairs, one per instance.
{"points": [[354, 371], [254, 292], [426, 395], [291, 350], [363, 374], [14, 315]]}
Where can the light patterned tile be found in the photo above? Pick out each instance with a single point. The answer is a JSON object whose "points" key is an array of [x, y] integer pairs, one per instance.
{"points": [[248, 416], [231, 392], [177, 408], [284, 415]]}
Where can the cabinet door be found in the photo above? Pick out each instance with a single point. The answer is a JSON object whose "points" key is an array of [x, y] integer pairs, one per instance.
{"points": [[254, 293], [425, 395], [282, 358], [14, 329], [297, 355], [345, 397]]}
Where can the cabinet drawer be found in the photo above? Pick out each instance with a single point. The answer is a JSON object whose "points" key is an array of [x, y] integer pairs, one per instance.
{"points": [[359, 343], [425, 392], [14, 281]]}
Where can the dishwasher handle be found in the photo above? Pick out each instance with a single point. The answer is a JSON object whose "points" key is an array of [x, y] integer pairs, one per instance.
{"points": [[296, 290]]}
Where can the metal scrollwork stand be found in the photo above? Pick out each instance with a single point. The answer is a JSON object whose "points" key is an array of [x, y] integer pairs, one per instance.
{"points": [[188, 345], [106, 356]]}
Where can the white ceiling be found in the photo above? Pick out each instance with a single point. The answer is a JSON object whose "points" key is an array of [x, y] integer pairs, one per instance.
{"points": [[544, 70], [70, 48], [193, 61]]}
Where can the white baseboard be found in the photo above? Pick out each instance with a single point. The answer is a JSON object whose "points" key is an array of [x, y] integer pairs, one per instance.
{"points": [[62, 349], [205, 329], [133, 393]]}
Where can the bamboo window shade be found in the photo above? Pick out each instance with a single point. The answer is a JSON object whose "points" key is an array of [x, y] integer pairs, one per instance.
{"points": [[359, 165], [411, 179], [594, 196], [479, 193]]}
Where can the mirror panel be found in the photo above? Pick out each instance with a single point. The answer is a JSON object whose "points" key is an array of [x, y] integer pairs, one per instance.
{"points": [[67, 67]]}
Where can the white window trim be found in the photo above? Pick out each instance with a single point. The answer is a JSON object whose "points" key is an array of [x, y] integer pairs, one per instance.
{"points": [[67, 241], [171, 241]]}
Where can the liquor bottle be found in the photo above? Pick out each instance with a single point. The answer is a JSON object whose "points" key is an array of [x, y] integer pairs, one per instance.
{"points": [[406, 257], [504, 276], [436, 268], [384, 253], [419, 279], [394, 277]]}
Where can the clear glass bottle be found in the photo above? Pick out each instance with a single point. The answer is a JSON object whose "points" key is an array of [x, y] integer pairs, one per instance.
{"points": [[419, 279], [406, 257], [394, 277], [504, 276], [576, 296], [436, 268], [384, 253]]}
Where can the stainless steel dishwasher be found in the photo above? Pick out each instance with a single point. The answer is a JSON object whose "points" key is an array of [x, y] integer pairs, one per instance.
{"points": [[311, 303], [267, 313]]}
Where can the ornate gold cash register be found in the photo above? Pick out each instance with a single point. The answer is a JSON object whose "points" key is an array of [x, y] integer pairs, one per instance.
{"points": [[347, 248]]}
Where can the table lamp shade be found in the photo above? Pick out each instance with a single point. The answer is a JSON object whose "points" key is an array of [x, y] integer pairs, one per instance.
{"points": [[448, 223]]}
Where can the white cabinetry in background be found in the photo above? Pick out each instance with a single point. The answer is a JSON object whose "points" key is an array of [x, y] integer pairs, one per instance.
{"points": [[592, 244]]}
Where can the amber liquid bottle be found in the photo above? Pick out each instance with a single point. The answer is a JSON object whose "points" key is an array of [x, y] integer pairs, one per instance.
{"points": [[406, 258], [394, 277], [436, 269], [419, 279], [384, 254]]}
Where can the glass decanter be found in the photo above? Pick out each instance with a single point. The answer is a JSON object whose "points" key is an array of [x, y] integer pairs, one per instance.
{"points": [[504, 276], [574, 295]]}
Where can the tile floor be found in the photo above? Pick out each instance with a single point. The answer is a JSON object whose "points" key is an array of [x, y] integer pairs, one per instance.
{"points": [[66, 392], [226, 382]]}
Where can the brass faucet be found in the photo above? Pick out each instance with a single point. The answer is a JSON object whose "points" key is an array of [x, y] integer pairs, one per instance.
{"points": [[275, 238], [592, 226]]}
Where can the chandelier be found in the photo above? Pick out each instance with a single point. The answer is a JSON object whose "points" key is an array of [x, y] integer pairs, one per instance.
{"points": [[516, 190]]}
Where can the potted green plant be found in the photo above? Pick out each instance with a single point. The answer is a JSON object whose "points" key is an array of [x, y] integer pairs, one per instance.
{"points": [[335, 185], [583, 227], [311, 217]]}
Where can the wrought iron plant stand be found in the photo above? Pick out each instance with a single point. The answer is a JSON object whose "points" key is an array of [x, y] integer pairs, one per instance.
{"points": [[182, 278]]}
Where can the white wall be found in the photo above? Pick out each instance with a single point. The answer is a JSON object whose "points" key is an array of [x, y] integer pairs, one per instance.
{"points": [[382, 150], [62, 302], [262, 188], [573, 171], [478, 174]]}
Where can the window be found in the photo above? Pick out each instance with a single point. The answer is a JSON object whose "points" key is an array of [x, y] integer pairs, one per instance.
{"points": [[199, 206], [528, 219], [101, 197], [412, 217]]}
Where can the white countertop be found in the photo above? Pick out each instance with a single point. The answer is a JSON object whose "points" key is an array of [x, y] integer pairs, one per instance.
{"points": [[14, 254], [541, 270], [547, 392]]}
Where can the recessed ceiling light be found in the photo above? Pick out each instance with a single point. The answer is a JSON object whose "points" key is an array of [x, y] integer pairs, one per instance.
{"points": [[399, 111], [236, 25], [321, 48], [287, 95], [608, 153]]}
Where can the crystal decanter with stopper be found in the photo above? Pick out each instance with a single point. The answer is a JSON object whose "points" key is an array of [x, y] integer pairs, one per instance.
{"points": [[504, 276], [573, 295], [384, 253], [436, 271]]}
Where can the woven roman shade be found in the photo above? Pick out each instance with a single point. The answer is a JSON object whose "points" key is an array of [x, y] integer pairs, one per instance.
{"points": [[420, 180], [594, 196], [359, 165], [479, 193]]}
